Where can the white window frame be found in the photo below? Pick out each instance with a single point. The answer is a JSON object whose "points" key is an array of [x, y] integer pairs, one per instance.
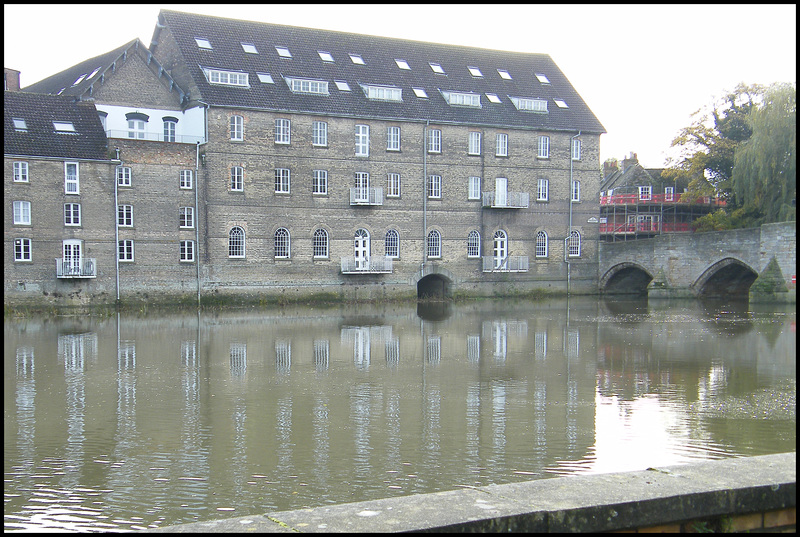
{"points": [[393, 185], [23, 250], [669, 193], [170, 130], [362, 140], [474, 189], [237, 128], [319, 182], [574, 244], [308, 86], [383, 93], [576, 149], [319, 244], [434, 245], [186, 251], [474, 244], [136, 129], [221, 77], [541, 244], [542, 189], [283, 131], [434, 141], [501, 145], [186, 217], [186, 179], [455, 98], [474, 143], [543, 147], [21, 172], [393, 138], [576, 191], [22, 213], [283, 181], [236, 242], [124, 175], [237, 179], [124, 215], [319, 133], [392, 244], [525, 104], [434, 187], [125, 251], [72, 183], [283, 243], [72, 214], [645, 193]]}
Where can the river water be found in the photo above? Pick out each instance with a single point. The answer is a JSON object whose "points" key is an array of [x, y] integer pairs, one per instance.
{"points": [[136, 421]]}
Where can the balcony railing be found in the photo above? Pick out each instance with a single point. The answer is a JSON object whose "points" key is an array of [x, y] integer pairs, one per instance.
{"points": [[155, 137], [513, 200], [632, 199], [372, 265], [512, 263], [76, 268], [366, 195], [646, 227]]}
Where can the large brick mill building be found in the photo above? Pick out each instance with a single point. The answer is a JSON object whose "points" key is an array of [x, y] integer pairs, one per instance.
{"points": [[279, 161]]}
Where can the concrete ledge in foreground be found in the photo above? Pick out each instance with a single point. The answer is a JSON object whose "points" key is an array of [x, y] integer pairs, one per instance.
{"points": [[739, 494]]}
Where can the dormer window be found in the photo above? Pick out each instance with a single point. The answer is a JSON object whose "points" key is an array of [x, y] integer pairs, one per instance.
{"points": [[402, 64], [355, 58], [20, 125], [325, 56], [383, 93], [63, 126], [437, 68], [304, 85], [283, 52], [529, 105], [226, 78], [504, 74], [542, 78], [455, 98], [249, 48], [203, 43], [474, 71]]}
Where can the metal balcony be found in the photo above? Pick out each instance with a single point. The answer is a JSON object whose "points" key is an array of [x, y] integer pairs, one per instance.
{"points": [[372, 265], [366, 195], [72, 268], [513, 200], [517, 263], [155, 137]]}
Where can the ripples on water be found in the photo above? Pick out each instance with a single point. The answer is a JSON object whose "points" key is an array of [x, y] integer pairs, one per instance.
{"points": [[140, 423]]}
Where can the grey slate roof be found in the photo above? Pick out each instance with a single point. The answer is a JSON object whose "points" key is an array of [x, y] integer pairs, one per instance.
{"points": [[41, 139], [379, 54]]}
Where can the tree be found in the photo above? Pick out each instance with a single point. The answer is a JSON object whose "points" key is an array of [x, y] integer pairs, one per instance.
{"points": [[765, 165], [708, 145]]}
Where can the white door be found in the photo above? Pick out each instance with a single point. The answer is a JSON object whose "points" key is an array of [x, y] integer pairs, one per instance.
{"points": [[501, 192], [500, 248], [361, 251], [362, 187], [71, 260]]}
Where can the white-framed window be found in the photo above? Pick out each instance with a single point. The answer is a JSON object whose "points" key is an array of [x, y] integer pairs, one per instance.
{"points": [[72, 183], [125, 215], [669, 193], [320, 244], [237, 128], [362, 140], [455, 98], [576, 149], [20, 125], [136, 129], [434, 141], [474, 144], [383, 93], [319, 182], [393, 139], [529, 105], [237, 178], [305, 85], [501, 145], [186, 179], [20, 172], [392, 242], [319, 133], [22, 213], [282, 131], [123, 175], [186, 217], [236, 242], [576, 191], [541, 244], [282, 180], [72, 214], [474, 244], [574, 244], [22, 250], [186, 252], [544, 147], [282, 243], [474, 188], [393, 186], [125, 250], [645, 193], [434, 244], [435, 186], [170, 129], [542, 189], [227, 78]]}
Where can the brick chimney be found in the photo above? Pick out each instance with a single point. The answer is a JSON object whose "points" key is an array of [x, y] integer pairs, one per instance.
{"points": [[10, 79], [629, 161], [610, 166]]}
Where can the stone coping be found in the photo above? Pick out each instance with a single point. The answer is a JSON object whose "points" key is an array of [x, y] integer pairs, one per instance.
{"points": [[580, 503]]}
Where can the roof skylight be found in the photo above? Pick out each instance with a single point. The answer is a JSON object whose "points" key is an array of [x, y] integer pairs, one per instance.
{"points": [[420, 92], [342, 85], [283, 52], [542, 78], [474, 71], [493, 98], [79, 80], [357, 59], [402, 64], [19, 124], [64, 126], [266, 78], [504, 74], [561, 103], [326, 56], [437, 68], [93, 73], [249, 48], [203, 42]]}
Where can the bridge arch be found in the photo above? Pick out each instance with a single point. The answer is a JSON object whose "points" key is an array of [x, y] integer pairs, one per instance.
{"points": [[625, 278], [728, 277], [434, 282]]}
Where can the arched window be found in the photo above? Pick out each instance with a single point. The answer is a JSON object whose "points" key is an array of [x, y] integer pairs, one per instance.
{"points": [[434, 244], [574, 244], [236, 242], [320, 243], [170, 128], [541, 244], [500, 248], [282, 243], [474, 244], [392, 244]]}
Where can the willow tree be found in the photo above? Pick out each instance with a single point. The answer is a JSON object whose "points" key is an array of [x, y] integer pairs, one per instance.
{"points": [[765, 165]]}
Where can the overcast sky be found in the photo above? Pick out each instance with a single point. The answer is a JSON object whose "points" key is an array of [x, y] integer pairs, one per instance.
{"points": [[642, 69]]}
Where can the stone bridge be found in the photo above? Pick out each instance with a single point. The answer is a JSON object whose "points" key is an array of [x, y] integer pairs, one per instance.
{"points": [[711, 264]]}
